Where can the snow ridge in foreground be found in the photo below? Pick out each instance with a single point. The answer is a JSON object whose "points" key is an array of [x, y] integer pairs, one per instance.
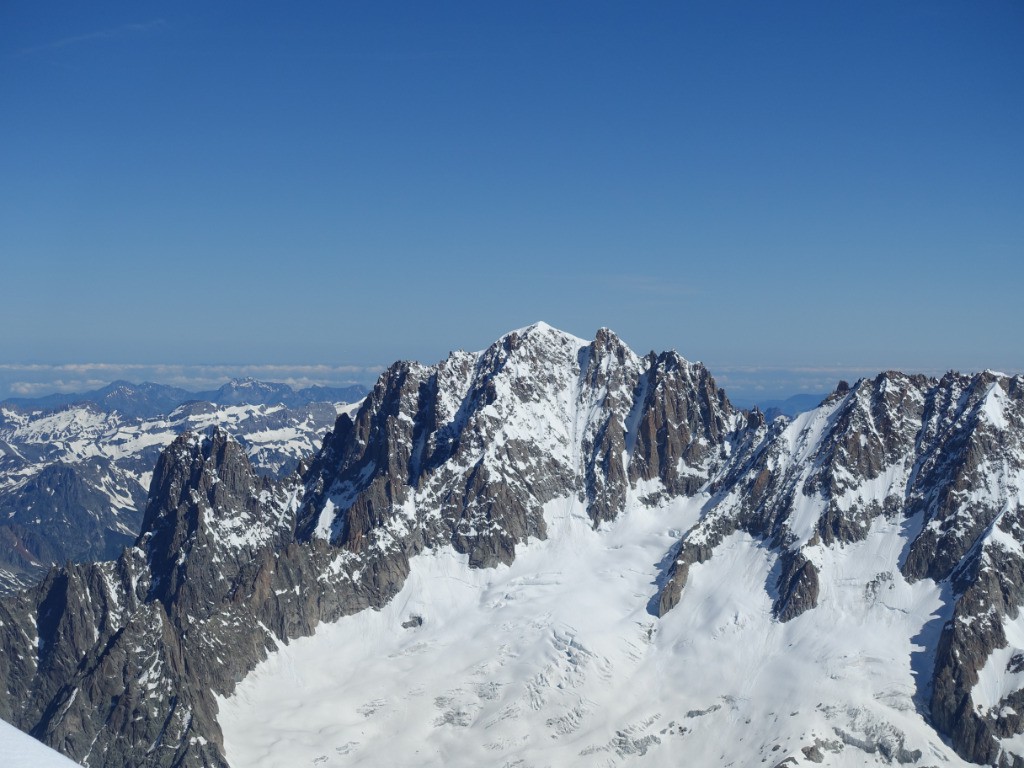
{"points": [[19, 750], [557, 660]]}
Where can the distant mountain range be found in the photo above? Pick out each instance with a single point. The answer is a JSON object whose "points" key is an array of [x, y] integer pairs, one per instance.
{"points": [[148, 399], [790, 406]]}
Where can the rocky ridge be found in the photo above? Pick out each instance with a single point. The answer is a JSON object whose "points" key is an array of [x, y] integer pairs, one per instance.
{"points": [[106, 658]]}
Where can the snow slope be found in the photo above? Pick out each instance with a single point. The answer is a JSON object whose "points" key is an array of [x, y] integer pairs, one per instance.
{"points": [[19, 750], [557, 660]]}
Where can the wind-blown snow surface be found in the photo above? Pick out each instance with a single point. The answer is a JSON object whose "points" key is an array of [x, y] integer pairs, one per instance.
{"points": [[557, 660], [19, 750]]}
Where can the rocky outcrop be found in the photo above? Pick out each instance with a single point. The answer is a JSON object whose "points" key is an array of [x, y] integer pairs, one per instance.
{"points": [[683, 421], [108, 657], [611, 372], [797, 587]]}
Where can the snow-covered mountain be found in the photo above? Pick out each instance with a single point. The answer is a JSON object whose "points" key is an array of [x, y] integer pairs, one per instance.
{"points": [[555, 552], [128, 399], [74, 480]]}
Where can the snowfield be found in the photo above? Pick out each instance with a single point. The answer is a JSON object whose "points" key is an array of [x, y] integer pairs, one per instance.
{"points": [[558, 660], [19, 750]]}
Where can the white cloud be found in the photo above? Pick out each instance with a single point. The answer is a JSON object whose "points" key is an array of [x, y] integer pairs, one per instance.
{"points": [[36, 388], [113, 33]]}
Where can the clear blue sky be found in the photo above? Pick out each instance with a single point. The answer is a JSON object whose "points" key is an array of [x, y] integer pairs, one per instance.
{"points": [[813, 186]]}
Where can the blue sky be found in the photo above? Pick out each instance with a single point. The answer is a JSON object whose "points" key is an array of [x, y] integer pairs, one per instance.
{"points": [[791, 192]]}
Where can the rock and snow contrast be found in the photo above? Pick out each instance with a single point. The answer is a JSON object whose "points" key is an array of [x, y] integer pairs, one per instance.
{"points": [[556, 660], [74, 477], [555, 552]]}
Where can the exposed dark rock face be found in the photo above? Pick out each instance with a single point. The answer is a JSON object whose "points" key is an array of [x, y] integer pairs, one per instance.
{"points": [[797, 587], [111, 660], [610, 367], [683, 421], [132, 652]]}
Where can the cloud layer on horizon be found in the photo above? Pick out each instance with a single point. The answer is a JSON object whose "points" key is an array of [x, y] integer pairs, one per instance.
{"points": [[37, 379]]}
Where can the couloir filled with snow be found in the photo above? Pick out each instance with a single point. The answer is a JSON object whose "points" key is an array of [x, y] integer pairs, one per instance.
{"points": [[558, 660]]}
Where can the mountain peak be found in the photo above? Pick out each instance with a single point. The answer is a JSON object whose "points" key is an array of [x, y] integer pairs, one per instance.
{"points": [[539, 326], [540, 330], [248, 382]]}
